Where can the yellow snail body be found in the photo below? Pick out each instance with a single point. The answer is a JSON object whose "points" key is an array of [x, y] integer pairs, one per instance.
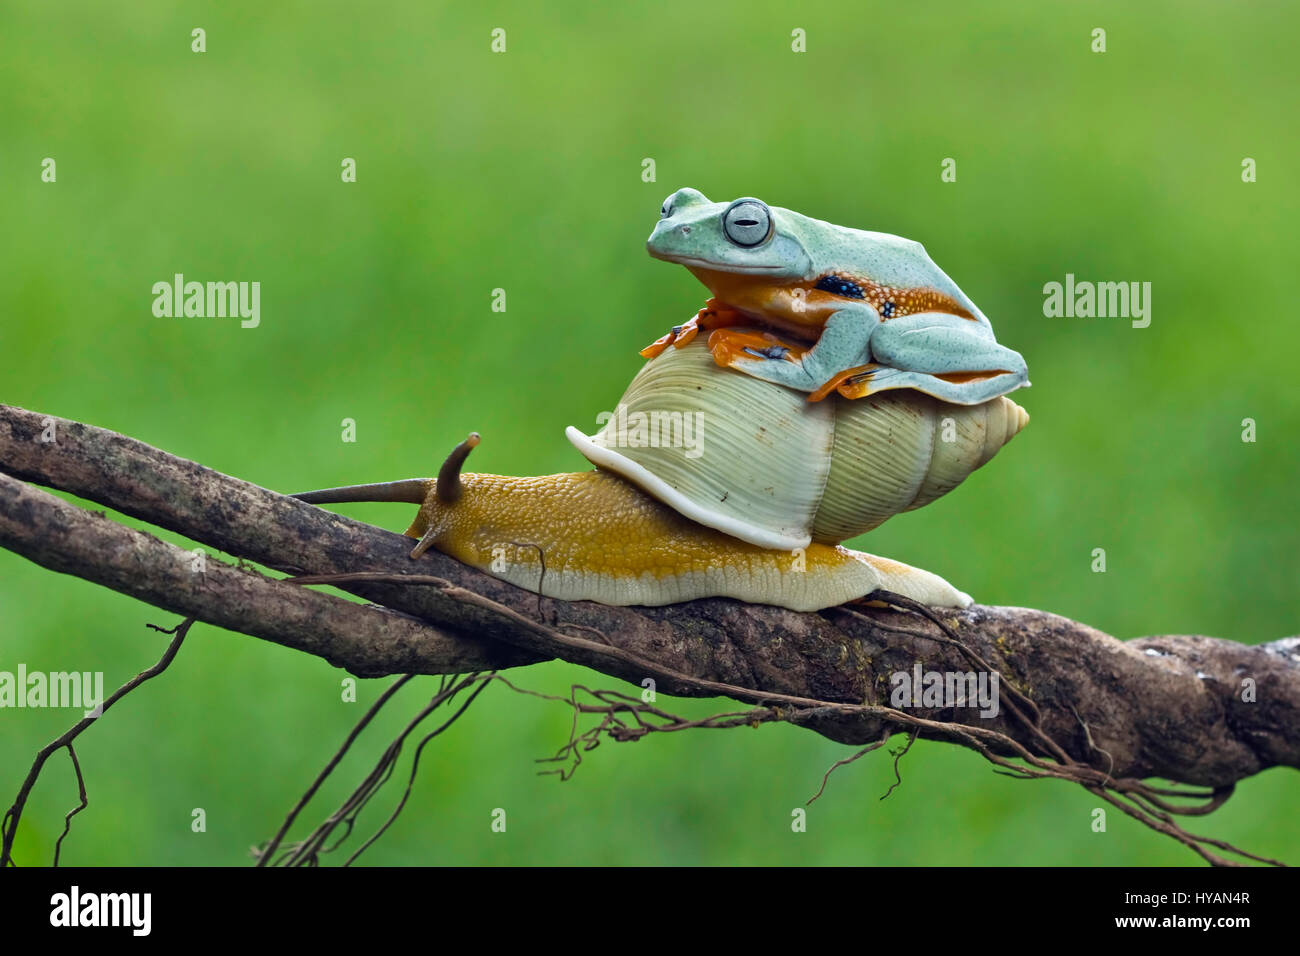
{"points": [[751, 505]]}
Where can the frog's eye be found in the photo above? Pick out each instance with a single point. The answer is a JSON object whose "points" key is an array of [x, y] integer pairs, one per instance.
{"points": [[747, 222], [666, 209]]}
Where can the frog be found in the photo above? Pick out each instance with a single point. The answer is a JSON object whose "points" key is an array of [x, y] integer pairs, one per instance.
{"points": [[825, 309]]}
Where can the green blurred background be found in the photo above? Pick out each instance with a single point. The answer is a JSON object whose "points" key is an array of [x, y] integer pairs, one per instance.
{"points": [[523, 171]]}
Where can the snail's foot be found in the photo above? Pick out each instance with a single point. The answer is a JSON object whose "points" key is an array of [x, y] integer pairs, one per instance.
{"points": [[760, 354], [713, 316], [903, 580]]}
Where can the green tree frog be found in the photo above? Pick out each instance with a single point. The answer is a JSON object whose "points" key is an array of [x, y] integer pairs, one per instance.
{"points": [[822, 308]]}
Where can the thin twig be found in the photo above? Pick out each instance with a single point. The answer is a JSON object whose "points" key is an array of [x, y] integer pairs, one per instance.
{"points": [[898, 755], [844, 762], [13, 815], [308, 850], [265, 855], [85, 802]]}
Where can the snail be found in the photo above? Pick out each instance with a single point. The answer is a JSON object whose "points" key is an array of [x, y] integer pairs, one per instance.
{"points": [[710, 483]]}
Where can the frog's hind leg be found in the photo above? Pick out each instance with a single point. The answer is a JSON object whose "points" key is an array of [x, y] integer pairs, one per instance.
{"points": [[926, 351], [959, 388], [842, 344]]}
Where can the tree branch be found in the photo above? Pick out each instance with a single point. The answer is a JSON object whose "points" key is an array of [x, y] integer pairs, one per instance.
{"points": [[1170, 707]]}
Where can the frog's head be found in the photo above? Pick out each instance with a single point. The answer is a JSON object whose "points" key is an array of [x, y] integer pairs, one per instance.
{"points": [[745, 237]]}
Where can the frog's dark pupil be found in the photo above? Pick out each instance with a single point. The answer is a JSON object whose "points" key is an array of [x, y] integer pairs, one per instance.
{"points": [[837, 285], [887, 309]]}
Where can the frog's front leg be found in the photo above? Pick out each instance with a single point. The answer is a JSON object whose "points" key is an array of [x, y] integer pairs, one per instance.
{"points": [[842, 344], [944, 355], [714, 315]]}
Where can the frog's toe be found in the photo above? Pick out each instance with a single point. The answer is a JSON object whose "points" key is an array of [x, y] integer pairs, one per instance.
{"points": [[678, 335], [656, 348], [851, 383], [973, 388], [771, 352], [685, 335], [737, 346], [762, 356]]}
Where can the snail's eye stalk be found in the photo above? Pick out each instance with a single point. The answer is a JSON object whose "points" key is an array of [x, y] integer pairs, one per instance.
{"points": [[449, 486]]}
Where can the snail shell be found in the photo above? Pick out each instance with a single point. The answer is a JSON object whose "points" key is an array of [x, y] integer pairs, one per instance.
{"points": [[763, 464]]}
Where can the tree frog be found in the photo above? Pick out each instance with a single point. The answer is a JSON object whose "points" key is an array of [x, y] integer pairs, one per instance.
{"points": [[857, 312]]}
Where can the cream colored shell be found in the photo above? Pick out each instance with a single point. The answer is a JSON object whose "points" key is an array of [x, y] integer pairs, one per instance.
{"points": [[762, 463]]}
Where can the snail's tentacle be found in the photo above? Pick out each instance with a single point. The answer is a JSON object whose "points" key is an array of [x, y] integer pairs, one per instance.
{"points": [[409, 490], [448, 485], [428, 539], [446, 491]]}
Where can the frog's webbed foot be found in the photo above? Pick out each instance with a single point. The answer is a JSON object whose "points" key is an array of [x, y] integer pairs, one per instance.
{"points": [[761, 355], [959, 388], [712, 316], [851, 383]]}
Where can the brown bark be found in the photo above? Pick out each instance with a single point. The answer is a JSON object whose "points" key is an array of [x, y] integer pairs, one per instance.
{"points": [[1167, 707]]}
